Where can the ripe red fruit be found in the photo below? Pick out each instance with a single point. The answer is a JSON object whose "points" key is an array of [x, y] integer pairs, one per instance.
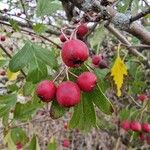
{"points": [[82, 30], [125, 125], [3, 38], [135, 126], [103, 64], [74, 53], [19, 145], [66, 126], [11, 48], [66, 143], [46, 90], [62, 38], [142, 137], [3, 73], [142, 97], [146, 127], [5, 9], [96, 59], [87, 81], [68, 94], [32, 38]]}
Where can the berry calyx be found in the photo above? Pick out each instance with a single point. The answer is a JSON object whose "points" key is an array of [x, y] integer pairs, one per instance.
{"points": [[142, 97], [87, 81], [146, 127], [66, 143], [2, 38], [96, 59], [125, 125], [68, 94], [46, 90], [82, 30], [135, 126], [74, 53]]}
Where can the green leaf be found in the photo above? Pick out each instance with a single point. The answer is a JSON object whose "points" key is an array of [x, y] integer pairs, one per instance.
{"points": [[84, 114], [8, 140], [39, 28], [6, 103], [47, 7], [28, 88], [14, 25], [25, 111], [37, 71], [52, 145], [31, 53], [101, 101], [101, 73], [56, 110], [22, 58], [34, 145], [19, 136]]}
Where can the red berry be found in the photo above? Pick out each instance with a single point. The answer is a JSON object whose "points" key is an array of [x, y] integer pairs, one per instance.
{"points": [[3, 73], [19, 145], [74, 53], [46, 90], [68, 94], [32, 38], [66, 126], [103, 64], [66, 143], [5, 9], [3, 38], [11, 48], [82, 30], [146, 127], [62, 38], [96, 59], [142, 97], [87, 81], [18, 14], [125, 125], [135, 126], [142, 137]]}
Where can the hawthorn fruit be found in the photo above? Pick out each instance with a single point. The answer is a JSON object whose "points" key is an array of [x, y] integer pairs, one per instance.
{"points": [[46, 90], [82, 30], [68, 94], [136, 126], [87, 81]]}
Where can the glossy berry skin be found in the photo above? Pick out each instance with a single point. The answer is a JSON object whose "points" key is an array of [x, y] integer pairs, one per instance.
{"points": [[135, 126], [74, 53], [82, 30], [96, 59], [142, 97], [2, 38], [87, 81], [68, 94], [46, 90], [19, 146], [146, 127], [125, 125], [66, 143]]}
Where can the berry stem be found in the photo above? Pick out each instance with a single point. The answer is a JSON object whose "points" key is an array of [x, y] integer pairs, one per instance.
{"points": [[73, 74], [62, 31], [67, 75], [59, 74], [74, 34]]}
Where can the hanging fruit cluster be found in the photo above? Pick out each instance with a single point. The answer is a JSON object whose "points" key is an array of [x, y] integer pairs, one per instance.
{"points": [[74, 52]]}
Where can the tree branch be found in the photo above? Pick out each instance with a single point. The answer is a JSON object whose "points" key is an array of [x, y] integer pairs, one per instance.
{"points": [[122, 39]]}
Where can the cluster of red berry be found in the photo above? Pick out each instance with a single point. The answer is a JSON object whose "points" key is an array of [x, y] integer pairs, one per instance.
{"points": [[74, 52], [67, 93], [143, 129]]}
